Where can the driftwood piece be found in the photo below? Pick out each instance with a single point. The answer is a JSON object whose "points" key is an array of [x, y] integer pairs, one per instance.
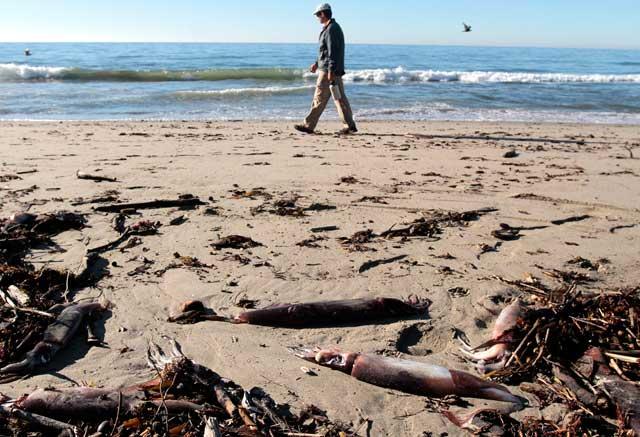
{"points": [[95, 178], [578, 218], [375, 263], [188, 202]]}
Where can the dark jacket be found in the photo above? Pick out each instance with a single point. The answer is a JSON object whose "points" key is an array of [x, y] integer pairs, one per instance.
{"points": [[331, 55]]}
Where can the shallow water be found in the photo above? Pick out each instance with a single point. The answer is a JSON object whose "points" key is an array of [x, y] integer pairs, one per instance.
{"points": [[268, 81]]}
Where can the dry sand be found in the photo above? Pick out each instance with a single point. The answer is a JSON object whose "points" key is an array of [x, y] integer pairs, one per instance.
{"points": [[572, 169]]}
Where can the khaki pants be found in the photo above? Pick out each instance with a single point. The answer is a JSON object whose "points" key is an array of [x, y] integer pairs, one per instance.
{"points": [[321, 98]]}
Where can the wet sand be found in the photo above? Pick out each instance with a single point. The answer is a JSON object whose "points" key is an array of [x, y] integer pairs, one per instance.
{"points": [[391, 173]]}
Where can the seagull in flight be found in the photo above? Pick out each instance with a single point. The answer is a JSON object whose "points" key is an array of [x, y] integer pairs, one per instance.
{"points": [[467, 28]]}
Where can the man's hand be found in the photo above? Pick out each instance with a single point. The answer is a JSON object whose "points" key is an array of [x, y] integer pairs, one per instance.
{"points": [[313, 68], [331, 77]]}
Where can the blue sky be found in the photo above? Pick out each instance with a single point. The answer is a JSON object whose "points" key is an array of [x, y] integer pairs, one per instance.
{"points": [[557, 23]]}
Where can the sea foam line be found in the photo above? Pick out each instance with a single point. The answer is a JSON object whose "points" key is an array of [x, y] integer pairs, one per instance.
{"points": [[399, 75]]}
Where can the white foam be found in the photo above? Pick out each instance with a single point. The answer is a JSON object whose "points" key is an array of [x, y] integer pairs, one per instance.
{"points": [[19, 72], [242, 92], [400, 75]]}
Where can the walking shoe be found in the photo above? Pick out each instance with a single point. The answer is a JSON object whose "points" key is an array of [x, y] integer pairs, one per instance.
{"points": [[303, 128], [348, 130]]}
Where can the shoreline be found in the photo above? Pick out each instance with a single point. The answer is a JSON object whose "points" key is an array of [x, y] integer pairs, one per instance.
{"points": [[392, 172]]}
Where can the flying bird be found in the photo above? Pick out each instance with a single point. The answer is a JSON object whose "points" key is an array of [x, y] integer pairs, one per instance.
{"points": [[467, 28]]}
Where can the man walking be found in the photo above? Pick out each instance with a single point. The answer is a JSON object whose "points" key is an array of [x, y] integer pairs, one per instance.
{"points": [[330, 68]]}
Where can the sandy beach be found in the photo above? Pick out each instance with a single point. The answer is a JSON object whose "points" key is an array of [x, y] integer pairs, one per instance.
{"points": [[389, 174]]}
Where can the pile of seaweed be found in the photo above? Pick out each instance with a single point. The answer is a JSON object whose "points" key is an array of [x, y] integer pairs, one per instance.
{"points": [[580, 348], [184, 399], [27, 293]]}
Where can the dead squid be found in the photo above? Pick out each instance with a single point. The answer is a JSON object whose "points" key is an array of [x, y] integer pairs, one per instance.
{"points": [[326, 313], [497, 350], [407, 376], [56, 337]]}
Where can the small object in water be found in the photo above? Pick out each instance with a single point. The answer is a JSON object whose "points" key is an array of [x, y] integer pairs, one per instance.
{"points": [[235, 242], [413, 377], [27, 52], [497, 354], [96, 178], [56, 337]]}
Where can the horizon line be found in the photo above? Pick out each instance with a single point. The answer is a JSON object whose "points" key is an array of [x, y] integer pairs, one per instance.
{"points": [[523, 46]]}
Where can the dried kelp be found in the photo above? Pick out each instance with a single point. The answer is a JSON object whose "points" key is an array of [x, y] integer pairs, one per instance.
{"points": [[184, 399]]}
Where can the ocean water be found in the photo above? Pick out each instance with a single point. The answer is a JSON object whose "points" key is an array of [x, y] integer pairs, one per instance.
{"points": [[270, 81]]}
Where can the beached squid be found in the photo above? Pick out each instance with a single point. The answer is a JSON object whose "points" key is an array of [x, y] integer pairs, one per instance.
{"points": [[494, 354], [57, 335], [407, 376]]}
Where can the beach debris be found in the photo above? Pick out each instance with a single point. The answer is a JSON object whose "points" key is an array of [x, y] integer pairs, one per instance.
{"points": [[286, 206], [348, 180], [512, 233], [190, 312], [177, 221], [571, 219], [56, 337], [186, 201], [511, 154], [617, 228], [47, 224], [235, 242], [457, 292], [329, 228], [356, 243], [93, 177], [486, 248], [238, 193], [584, 263], [431, 226], [140, 228], [312, 241], [378, 262], [185, 398], [408, 376], [317, 207], [183, 261], [107, 196], [495, 353], [372, 199], [325, 313], [554, 339], [568, 277]]}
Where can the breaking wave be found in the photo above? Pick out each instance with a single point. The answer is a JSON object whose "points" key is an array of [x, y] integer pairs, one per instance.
{"points": [[18, 72], [403, 75], [240, 92], [24, 72]]}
